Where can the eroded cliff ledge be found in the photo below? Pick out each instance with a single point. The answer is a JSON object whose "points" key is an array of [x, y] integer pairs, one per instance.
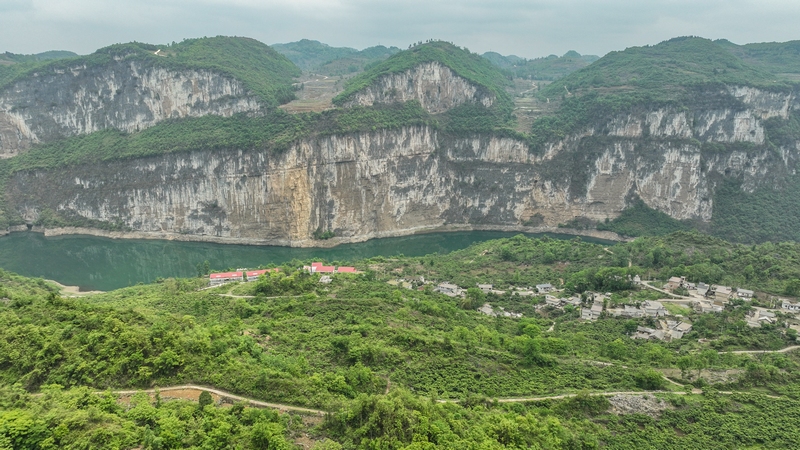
{"points": [[394, 182], [125, 95]]}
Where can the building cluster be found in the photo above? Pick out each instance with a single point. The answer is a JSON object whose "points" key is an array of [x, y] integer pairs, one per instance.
{"points": [[499, 311], [666, 330], [216, 279]]}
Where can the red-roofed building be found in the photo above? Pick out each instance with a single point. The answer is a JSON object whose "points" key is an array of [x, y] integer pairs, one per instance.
{"points": [[253, 275], [342, 269], [224, 277], [324, 269]]}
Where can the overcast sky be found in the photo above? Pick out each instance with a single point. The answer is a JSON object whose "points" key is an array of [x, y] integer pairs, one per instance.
{"points": [[528, 28]]}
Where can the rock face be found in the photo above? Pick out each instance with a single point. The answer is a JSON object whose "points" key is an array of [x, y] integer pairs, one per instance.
{"points": [[433, 85], [125, 95], [396, 182], [372, 184]]}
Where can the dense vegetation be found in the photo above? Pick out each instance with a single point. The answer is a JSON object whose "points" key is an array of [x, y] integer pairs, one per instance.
{"points": [[669, 65], [781, 58], [261, 69], [641, 220], [377, 355]]}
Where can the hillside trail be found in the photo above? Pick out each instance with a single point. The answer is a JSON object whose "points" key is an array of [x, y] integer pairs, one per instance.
{"points": [[222, 394]]}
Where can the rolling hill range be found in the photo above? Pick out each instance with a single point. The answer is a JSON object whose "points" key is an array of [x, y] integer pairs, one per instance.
{"points": [[186, 141]]}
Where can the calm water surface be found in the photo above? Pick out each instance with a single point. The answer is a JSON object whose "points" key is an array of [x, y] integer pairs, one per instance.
{"points": [[105, 264]]}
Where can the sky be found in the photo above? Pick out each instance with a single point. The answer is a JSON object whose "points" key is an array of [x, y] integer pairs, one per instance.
{"points": [[527, 28]]}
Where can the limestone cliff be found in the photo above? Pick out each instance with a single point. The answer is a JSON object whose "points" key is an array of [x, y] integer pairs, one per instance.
{"points": [[435, 86], [390, 182], [125, 95]]}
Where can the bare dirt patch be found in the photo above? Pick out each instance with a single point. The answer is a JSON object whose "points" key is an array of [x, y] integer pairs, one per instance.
{"points": [[638, 404], [314, 93]]}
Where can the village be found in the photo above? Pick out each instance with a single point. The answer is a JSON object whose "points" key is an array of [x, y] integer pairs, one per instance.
{"points": [[244, 275], [700, 297]]}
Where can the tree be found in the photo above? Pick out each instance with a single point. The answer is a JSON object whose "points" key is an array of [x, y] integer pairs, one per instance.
{"points": [[205, 399], [474, 298]]}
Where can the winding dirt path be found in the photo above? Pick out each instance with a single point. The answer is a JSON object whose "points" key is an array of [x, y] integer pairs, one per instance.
{"points": [[222, 394], [783, 350]]}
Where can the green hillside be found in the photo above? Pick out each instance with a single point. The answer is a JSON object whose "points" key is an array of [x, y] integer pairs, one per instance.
{"points": [[376, 356], [548, 68], [315, 56], [261, 69], [664, 67], [468, 65], [781, 58]]}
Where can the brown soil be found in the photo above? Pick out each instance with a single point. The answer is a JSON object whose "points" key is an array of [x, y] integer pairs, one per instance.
{"points": [[315, 94]]}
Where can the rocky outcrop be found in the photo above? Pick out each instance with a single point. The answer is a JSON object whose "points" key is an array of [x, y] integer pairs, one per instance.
{"points": [[125, 95], [394, 182], [435, 86]]}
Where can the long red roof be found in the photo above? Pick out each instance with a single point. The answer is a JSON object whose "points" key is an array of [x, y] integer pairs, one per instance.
{"points": [[255, 273], [215, 276]]}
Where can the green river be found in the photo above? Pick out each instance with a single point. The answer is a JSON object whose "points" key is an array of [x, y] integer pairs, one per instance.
{"points": [[95, 263]]}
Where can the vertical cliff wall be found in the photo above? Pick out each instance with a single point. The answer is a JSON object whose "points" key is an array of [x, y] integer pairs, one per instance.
{"points": [[125, 95], [392, 182]]}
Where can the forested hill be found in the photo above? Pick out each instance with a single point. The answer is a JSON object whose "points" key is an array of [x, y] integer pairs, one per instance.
{"points": [[547, 68], [665, 68], [315, 56]]}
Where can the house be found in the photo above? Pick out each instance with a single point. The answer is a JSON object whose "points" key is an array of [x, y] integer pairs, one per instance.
{"points": [[705, 307], [744, 294], [637, 280], [345, 269], [486, 288], [318, 267], [215, 279], [790, 306], [450, 290], [654, 309], [675, 283], [759, 316], [592, 313], [676, 330], [722, 293], [544, 288], [632, 311], [648, 333], [252, 275], [702, 289], [627, 311], [552, 301], [574, 301]]}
